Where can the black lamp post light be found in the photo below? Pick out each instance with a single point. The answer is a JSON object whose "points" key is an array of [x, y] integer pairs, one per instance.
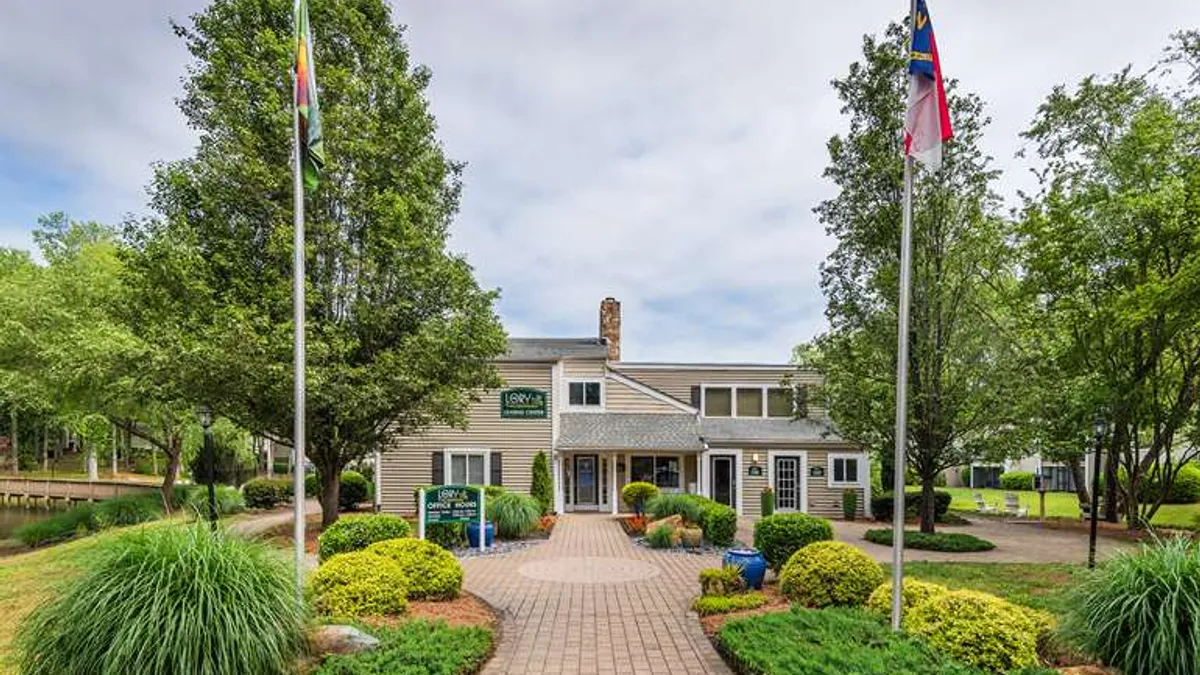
{"points": [[1099, 429], [210, 463]]}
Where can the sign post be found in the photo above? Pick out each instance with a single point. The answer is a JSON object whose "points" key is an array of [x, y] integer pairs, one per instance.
{"points": [[452, 504]]}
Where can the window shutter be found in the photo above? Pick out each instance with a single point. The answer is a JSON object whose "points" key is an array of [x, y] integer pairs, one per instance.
{"points": [[695, 397], [439, 468], [497, 477]]}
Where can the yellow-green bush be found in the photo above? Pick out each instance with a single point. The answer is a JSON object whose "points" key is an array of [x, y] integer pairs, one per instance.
{"points": [[830, 573], [720, 581], [433, 572], [912, 593], [978, 629], [359, 584]]}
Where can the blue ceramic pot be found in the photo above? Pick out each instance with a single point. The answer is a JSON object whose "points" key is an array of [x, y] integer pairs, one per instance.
{"points": [[752, 563], [473, 534]]}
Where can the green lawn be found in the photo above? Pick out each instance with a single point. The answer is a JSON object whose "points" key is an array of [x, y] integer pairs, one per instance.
{"points": [[1066, 505], [1038, 585]]}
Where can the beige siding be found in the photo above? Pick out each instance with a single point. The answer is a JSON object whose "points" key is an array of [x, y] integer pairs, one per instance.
{"points": [[822, 500], [408, 462], [579, 369], [679, 382], [752, 487], [622, 398]]}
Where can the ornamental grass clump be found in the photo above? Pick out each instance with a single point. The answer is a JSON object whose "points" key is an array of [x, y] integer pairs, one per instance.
{"points": [[359, 584], [830, 573], [978, 629], [514, 514], [433, 572], [174, 600], [1140, 611], [674, 504], [354, 533]]}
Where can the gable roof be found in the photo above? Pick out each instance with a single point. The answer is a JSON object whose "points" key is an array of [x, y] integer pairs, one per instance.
{"points": [[548, 350]]}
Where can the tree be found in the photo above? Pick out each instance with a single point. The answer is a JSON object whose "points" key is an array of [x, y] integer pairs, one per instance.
{"points": [[960, 363], [1113, 257], [541, 487], [399, 336], [234, 461]]}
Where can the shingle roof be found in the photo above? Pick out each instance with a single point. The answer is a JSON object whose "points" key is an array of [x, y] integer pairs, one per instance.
{"points": [[767, 430], [629, 431], [553, 349]]}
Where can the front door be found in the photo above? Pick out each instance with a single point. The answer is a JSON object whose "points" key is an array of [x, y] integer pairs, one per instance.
{"points": [[585, 480], [787, 484], [724, 481]]}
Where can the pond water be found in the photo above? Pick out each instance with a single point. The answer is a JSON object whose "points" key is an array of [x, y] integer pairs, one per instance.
{"points": [[13, 517]]}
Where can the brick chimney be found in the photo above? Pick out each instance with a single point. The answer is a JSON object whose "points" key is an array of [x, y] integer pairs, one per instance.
{"points": [[610, 326]]}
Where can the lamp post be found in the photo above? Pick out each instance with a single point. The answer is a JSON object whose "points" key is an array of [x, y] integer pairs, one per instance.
{"points": [[209, 463], [1099, 427]]}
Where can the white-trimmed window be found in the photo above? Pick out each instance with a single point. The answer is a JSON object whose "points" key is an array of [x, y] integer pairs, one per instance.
{"points": [[585, 394], [846, 470], [747, 400], [665, 471], [467, 467]]}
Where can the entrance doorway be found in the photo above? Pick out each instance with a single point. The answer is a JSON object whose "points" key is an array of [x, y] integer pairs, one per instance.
{"points": [[787, 484], [586, 485], [724, 480]]}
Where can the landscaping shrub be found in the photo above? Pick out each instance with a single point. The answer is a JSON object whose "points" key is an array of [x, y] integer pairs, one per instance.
{"points": [[353, 489], [912, 593], [828, 642], [76, 520], [718, 521], [662, 536], [977, 629], [229, 501], [720, 604], [514, 514], [359, 584], [354, 533], [1186, 487], [170, 600], [447, 535], [1140, 611], [766, 501], [128, 510], [951, 542], [724, 580], [312, 486], [266, 493], [781, 535], [830, 573], [674, 504], [881, 505], [637, 493], [849, 503], [541, 487], [433, 573], [1017, 481], [417, 648]]}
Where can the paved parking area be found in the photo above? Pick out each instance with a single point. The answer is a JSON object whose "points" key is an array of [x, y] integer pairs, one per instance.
{"points": [[590, 601]]}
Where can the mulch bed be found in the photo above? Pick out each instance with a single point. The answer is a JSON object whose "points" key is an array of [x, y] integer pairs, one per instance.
{"points": [[465, 610], [775, 603]]}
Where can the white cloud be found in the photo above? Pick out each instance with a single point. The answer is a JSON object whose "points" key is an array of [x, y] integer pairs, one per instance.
{"points": [[666, 153]]}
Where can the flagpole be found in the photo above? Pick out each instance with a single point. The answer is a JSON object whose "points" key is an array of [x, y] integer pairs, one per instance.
{"points": [[901, 436], [298, 308]]}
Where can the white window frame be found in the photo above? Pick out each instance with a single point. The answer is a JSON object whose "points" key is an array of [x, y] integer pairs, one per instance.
{"points": [[733, 387], [682, 470], [583, 408], [862, 463], [487, 463]]}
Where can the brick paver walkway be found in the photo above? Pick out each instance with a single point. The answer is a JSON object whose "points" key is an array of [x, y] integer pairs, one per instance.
{"points": [[590, 601]]}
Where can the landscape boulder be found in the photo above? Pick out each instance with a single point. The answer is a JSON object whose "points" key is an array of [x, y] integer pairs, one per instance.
{"points": [[341, 640]]}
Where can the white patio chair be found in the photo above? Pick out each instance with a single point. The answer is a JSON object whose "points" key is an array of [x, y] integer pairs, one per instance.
{"points": [[1012, 505], [982, 505]]}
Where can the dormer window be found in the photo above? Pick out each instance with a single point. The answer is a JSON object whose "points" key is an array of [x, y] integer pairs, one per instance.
{"points": [[584, 394]]}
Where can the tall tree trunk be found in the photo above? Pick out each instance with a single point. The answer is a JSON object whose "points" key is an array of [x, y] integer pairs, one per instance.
{"points": [[330, 491], [168, 483], [93, 468], [16, 443], [928, 505], [1112, 489], [1079, 478], [114, 451]]}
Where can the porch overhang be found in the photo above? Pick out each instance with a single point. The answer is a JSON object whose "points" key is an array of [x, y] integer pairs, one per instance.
{"points": [[625, 432], [735, 432]]}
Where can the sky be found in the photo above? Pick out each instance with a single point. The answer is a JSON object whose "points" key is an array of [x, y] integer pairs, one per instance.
{"points": [[665, 153]]}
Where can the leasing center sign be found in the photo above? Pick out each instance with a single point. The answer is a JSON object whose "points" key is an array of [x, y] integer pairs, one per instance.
{"points": [[522, 403]]}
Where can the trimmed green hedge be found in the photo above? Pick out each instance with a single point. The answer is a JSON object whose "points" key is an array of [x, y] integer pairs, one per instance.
{"points": [[950, 542], [353, 489], [830, 573], [912, 593], [881, 505], [433, 572], [718, 521], [354, 533], [976, 628], [1017, 481], [359, 584], [267, 493], [781, 535], [723, 604]]}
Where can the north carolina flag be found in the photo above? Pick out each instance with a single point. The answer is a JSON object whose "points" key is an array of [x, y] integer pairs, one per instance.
{"points": [[927, 122]]}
